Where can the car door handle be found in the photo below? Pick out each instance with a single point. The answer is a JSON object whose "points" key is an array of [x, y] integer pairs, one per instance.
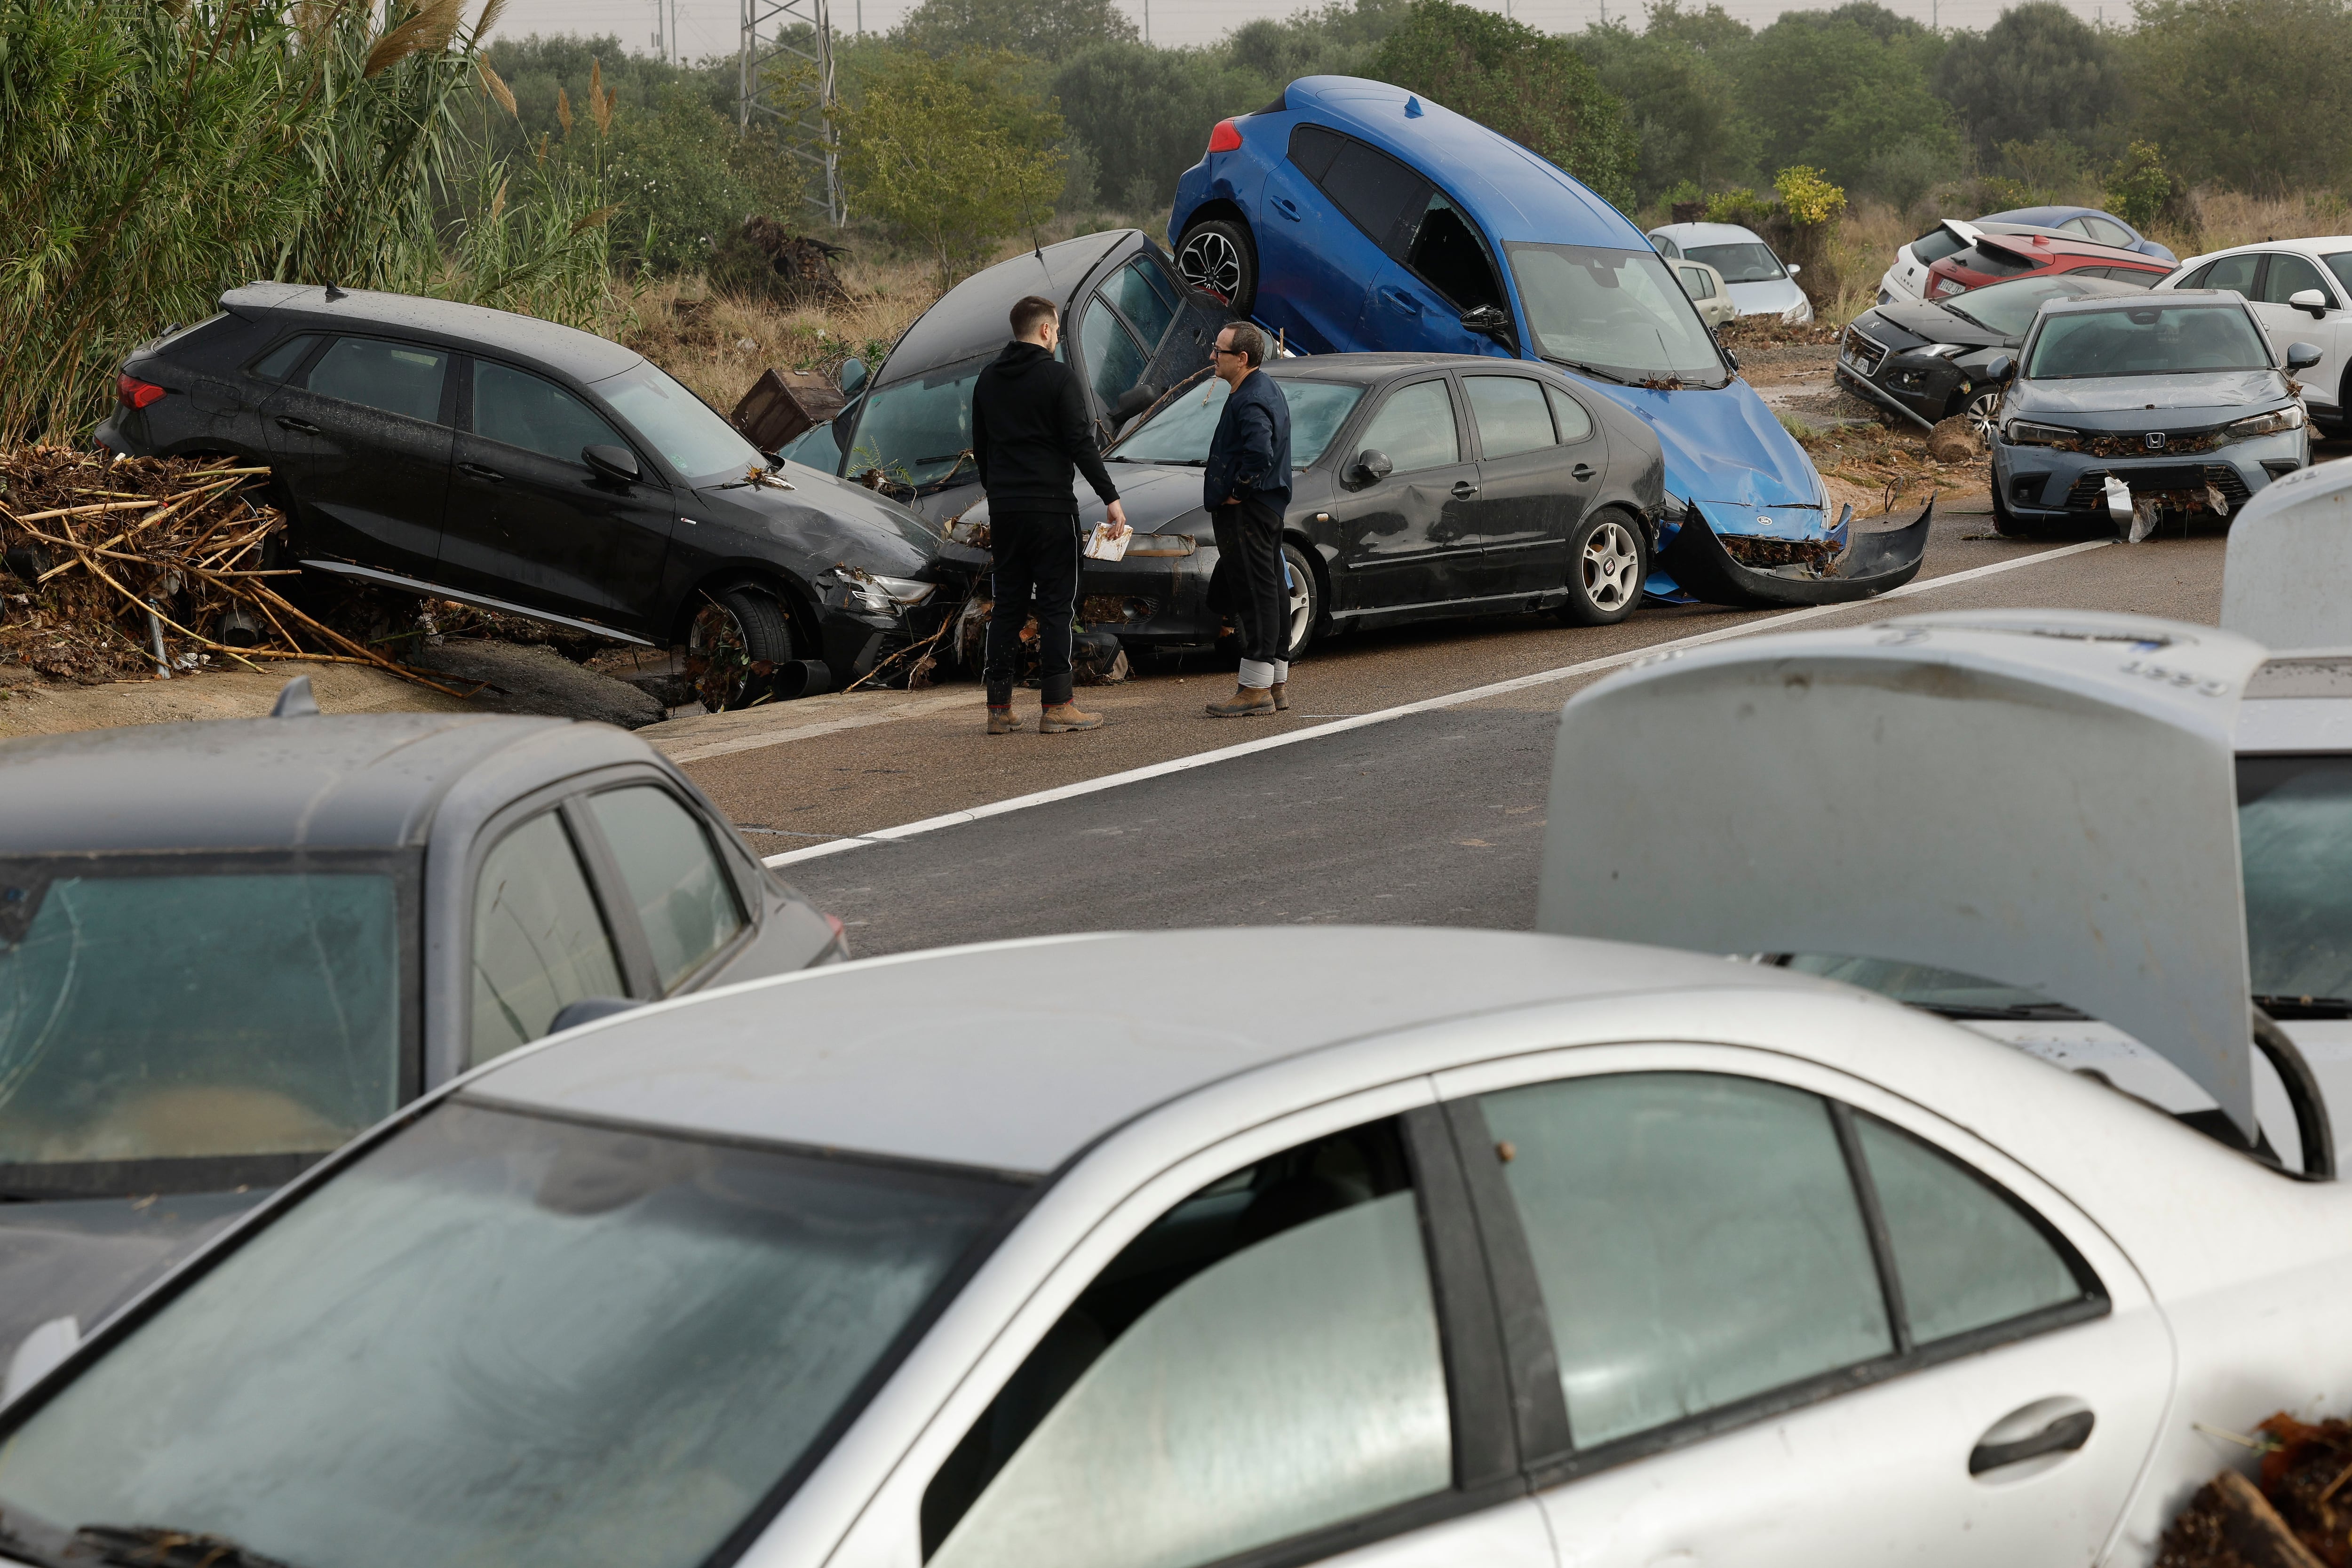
{"points": [[1284, 206], [477, 471], [2061, 1433], [1582, 471], [1463, 490], [300, 426], [1401, 301]]}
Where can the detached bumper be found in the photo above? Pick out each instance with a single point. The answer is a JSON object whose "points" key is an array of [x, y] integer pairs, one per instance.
{"points": [[1851, 565]]}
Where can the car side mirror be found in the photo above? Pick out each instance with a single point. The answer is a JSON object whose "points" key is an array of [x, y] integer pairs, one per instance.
{"points": [[1794, 269], [852, 376], [616, 463], [1134, 401], [2302, 356], [2000, 367], [2310, 299], [1371, 467], [1489, 320]]}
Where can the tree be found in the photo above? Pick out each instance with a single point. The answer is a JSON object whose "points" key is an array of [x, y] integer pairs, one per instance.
{"points": [[1144, 114], [1041, 29], [2039, 72], [1680, 97], [1526, 85], [1864, 76], [950, 154], [2248, 92]]}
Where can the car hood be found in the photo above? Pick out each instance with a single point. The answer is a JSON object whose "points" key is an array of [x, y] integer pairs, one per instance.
{"points": [[827, 516], [1159, 496], [1780, 294], [1721, 444], [2124, 402], [1921, 322]]}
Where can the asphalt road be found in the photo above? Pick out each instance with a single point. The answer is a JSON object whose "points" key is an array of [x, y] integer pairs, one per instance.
{"points": [[1436, 817]]}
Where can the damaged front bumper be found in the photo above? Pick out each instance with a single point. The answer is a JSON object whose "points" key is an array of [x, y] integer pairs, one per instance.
{"points": [[1751, 570]]}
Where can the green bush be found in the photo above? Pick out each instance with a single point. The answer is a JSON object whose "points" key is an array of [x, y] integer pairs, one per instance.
{"points": [[2247, 92], [2138, 186]]}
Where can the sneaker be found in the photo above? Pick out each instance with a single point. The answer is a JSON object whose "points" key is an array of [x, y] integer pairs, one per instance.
{"points": [[1001, 721], [1065, 716], [1246, 702]]}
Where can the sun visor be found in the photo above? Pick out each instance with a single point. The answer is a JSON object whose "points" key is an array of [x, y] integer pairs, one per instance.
{"points": [[2288, 560], [2042, 798]]}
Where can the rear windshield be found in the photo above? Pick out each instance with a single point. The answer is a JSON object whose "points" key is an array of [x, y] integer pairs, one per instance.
{"points": [[2146, 340], [148, 1022], [1747, 263], [498, 1338], [1989, 263], [1934, 246], [1180, 432]]}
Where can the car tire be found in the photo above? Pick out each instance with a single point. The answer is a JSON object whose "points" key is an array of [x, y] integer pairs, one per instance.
{"points": [[1609, 560], [1217, 256], [1980, 410], [733, 645], [1304, 593]]}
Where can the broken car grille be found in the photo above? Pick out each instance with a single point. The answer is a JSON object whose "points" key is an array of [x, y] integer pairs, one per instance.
{"points": [[1863, 352], [2189, 480]]}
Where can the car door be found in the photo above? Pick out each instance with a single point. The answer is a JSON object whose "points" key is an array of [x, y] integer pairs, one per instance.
{"points": [[1539, 461], [1295, 1363], [529, 522], [1409, 537], [1314, 260], [688, 909], [1436, 270], [1829, 1327], [360, 440], [2287, 275], [1111, 359]]}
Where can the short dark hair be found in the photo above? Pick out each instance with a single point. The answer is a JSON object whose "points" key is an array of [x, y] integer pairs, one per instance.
{"points": [[1030, 312], [1249, 340]]}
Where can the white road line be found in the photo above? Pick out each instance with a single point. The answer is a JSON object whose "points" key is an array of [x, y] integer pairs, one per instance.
{"points": [[1426, 705]]}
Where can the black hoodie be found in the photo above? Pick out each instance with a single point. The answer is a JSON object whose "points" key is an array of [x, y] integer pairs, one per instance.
{"points": [[1029, 429]]}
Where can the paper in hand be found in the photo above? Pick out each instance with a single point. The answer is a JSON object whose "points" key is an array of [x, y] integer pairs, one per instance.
{"points": [[1101, 546]]}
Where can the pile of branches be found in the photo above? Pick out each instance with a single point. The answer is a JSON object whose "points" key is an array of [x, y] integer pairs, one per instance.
{"points": [[120, 567], [2298, 1514]]}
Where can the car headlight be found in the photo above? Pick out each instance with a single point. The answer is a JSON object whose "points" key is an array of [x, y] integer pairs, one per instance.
{"points": [[2270, 424], [2023, 433], [1942, 351], [882, 596]]}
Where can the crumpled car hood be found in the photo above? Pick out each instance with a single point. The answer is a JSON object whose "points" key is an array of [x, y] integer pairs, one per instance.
{"points": [[1722, 444], [1932, 324], [2124, 402], [850, 505]]}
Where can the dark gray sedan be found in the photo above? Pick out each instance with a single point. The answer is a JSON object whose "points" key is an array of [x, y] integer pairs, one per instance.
{"points": [[226, 948]]}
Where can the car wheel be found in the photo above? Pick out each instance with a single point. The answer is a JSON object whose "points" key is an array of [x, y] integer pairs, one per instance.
{"points": [[1980, 412], [733, 645], [1304, 593], [1608, 561], [1216, 257]]}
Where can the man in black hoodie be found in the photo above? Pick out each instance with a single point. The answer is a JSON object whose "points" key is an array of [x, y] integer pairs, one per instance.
{"points": [[1029, 430]]}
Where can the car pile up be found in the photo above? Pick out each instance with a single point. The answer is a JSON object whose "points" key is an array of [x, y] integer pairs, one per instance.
{"points": [[113, 568], [2298, 1516]]}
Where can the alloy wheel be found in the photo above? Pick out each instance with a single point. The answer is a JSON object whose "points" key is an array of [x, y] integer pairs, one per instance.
{"points": [[1611, 563], [1302, 605], [1211, 261], [718, 656], [1980, 412]]}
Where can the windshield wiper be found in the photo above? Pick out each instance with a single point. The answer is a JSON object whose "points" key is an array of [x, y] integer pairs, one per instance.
{"points": [[2020, 1012], [2305, 1006], [1971, 320], [1589, 369], [157, 1546]]}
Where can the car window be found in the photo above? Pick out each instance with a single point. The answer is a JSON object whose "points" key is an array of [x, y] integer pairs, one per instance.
{"points": [[539, 939], [2292, 811], [2107, 231], [1697, 1239], [1445, 250], [918, 431], [2289, 275], [1510, 414], [1378, 195], [1991, 263], [281, 362], [2075, 226], [1696, 283], [1261, 1362], [1934, 246], [2230, 272], [519, 409], [1666, 246], [1968, 1257], [398, 378], [1415, 428], [1113, 359], [1185, 424], [682, 427], [2146, 339], [1746, 262], [1574, 424], [1144, 298], [683, 894], [2341, 264]]}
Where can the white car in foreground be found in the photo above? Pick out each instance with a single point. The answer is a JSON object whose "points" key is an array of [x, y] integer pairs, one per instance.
{"points": [[1759, 283]]}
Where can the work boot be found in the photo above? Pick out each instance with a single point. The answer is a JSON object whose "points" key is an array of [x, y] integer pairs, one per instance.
{"points": [[1063, 716], [1244, 701], [1281, 689], [1001, 721]]}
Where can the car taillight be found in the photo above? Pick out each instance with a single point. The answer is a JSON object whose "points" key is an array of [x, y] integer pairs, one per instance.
{"points": [[1225, 138], [133, 392]]}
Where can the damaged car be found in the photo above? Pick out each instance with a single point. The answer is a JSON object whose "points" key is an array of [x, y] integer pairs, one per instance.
{"points": [[461, 453], [227, 946], [2136, 411], [1929, 363], [1422, 486], [1352, 216]]}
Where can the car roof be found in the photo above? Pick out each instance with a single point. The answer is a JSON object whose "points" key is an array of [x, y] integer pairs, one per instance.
{"points": [[2309, 245], [1690, 234], [584, 356], [970, 319], [318, 780], [2053, 215], [2229, 299], [1015, 1057], [1368, 367], [1512, 193]]}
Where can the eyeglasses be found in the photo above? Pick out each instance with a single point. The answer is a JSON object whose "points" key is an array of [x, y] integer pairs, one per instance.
{"points": [[1221, 349]]}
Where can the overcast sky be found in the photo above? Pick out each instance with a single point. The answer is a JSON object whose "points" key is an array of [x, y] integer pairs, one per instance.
{"points": [[714, 27]]}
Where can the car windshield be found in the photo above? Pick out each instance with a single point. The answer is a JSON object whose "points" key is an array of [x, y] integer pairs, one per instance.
{"points": [[1922, 986], [2146, 340], [919, 431], [1180, 432], [2295, 840], [2009, 308], [690, 437], [581, 1343], [171, 1031], [1748, 262], [1615, 312]]}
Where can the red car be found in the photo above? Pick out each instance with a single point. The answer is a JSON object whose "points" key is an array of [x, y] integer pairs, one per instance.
{"points": [[1994, 256]]}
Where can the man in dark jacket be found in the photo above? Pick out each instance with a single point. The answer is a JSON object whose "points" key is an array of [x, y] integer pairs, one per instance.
{"points": [[1245, 486], [1029, 430]]}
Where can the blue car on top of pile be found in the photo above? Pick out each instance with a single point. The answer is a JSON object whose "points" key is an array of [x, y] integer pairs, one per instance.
{"points": [[1352, 216]]}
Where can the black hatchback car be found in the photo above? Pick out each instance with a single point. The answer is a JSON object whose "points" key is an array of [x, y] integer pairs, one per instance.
{"points": [[226, 947], [479, 455]]}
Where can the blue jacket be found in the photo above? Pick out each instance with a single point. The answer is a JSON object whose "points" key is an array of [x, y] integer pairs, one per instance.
{"points": [[1251, 450]]}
